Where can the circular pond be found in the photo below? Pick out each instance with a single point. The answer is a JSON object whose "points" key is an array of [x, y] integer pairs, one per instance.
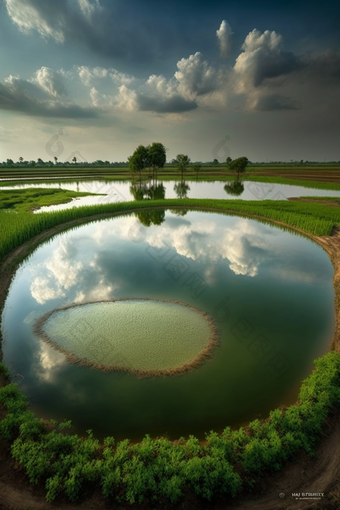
{"points": [[269, 292], [142, 337]]}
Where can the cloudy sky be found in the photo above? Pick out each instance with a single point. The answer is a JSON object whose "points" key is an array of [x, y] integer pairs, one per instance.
{"points": [[208, 79]]}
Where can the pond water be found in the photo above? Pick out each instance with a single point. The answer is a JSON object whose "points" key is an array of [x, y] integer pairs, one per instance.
{"points": [[269, 291], [118, 191]]}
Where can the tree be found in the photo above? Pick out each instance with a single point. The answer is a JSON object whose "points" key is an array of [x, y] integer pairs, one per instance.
{"points": [[21, 159], [182, 162], [239, 165], [215, 162], [55, 159], [197, 167], [139, 160], [10, 162], [74, 159], [234, 188], [156, 156], [228, 161], [40, 161]]}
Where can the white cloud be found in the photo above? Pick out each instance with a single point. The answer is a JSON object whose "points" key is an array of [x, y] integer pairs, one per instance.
{"points": [[29, 17], [263, 60], [51, 81], [126, 99], [242, 245], [62, 274], [224, 34], [50, 362], [88, 8], [195, 76]]}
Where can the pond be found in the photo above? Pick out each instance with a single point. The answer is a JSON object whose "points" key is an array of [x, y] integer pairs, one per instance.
{"points": [[268, 291], [118, 191]]}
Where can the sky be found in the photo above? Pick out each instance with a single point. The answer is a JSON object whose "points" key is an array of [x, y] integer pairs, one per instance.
{"points": [[97, 78]]}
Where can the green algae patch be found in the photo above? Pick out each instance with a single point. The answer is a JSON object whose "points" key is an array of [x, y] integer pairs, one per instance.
{"points": [[141, 336]]}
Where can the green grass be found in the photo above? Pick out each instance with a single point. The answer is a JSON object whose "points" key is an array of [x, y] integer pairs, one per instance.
{"points": [[29, 199], [295, 182], [316, 219]]}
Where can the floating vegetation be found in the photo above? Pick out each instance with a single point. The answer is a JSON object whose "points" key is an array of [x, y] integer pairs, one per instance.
{"points": [[144, 337]]}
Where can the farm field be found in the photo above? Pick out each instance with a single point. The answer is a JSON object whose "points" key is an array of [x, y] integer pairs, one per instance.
{"points": [[252, 449]]}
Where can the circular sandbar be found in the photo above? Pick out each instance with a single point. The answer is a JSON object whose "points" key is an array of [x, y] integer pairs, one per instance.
{"points": [[144, 337]]}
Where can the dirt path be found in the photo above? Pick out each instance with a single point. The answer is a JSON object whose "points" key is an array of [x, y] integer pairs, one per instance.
{"points": [[321, 475], [315, 201]]}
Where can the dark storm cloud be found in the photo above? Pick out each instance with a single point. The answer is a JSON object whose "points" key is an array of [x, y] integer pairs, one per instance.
{"points": [[325, 66], [114, 30], [14, 97], [174, 104], [274, 65], [275, 102]]}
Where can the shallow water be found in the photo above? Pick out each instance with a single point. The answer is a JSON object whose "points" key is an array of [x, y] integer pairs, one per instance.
{"points": [[269, 290], [120, 191]]}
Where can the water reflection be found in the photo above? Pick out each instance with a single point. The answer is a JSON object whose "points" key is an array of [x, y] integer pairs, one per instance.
{"points": [[120, 191], [235, 188], [181, 189], [279, 284]]}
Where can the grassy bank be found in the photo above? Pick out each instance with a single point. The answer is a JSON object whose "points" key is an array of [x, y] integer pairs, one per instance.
{"points": [[158, 469], [30, 199], [295, 182], [316, 219]]}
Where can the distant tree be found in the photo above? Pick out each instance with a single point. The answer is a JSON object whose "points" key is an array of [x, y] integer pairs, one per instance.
{"points": [[215, 162], [196, 168], [156, 156], [139, 160], [32, 162], [239, 165], [21, 159], [228, 161], [235, 188], [107, 162], [55, 159], [74, 159], [182, 162], [40, 161], [10, 162]]}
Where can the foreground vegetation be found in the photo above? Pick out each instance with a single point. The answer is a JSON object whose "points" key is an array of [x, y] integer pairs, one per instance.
{"points": [[158, 469]]}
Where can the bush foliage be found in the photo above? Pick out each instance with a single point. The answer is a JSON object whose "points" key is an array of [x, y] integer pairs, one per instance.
{"points": [[158, 469]]}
